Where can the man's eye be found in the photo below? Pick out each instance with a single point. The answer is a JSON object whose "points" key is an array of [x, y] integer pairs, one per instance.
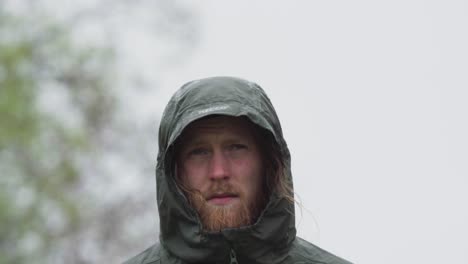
{"points": [[237, 147], [198, 152]]}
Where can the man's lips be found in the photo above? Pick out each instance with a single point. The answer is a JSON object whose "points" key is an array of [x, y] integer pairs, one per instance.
{"points": [[221, 199]]}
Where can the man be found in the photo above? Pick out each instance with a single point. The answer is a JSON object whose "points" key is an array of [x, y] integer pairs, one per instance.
{"points": [[224, 184]]}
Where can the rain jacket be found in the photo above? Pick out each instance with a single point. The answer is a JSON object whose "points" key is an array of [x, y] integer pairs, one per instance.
{"points": [[272, 239]]}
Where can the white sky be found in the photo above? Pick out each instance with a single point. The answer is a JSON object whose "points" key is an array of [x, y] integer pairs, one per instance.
{"points": [[372, 98]]}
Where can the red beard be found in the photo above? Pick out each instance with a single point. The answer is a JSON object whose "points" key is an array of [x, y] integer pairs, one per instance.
{"points": [[214, 218]]}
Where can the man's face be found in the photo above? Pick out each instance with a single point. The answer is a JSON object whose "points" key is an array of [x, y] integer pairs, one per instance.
{"points": [[220, 168]]}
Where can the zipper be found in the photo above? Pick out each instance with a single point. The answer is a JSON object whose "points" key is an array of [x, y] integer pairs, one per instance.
{"points": [[233, 257]]}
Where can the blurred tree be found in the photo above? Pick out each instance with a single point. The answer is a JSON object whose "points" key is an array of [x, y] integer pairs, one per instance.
{"points": [[67, 141]]}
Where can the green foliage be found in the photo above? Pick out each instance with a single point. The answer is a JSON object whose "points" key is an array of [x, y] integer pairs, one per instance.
{"points": [[17, 96], [39, 152], [65, 130]]}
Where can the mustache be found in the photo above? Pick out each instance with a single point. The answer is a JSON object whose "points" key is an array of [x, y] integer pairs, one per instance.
{"points": [[221, 189]]}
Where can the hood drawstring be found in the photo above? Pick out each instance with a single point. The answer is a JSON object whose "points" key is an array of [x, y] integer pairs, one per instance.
{"points": [[233, 257]]}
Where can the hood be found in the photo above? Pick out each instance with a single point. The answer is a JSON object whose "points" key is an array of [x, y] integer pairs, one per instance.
{"points": [[181, 234]]}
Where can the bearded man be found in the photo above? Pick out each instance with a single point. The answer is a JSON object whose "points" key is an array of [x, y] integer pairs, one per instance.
{"points": [[224, 184]]}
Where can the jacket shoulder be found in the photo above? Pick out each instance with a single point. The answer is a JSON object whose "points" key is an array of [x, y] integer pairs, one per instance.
{"points": [[150, 256], [304, 252]]}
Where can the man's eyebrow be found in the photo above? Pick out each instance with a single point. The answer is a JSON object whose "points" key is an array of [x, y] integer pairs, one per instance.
{"points": [[190, 140], [236, 138], [195, 142]]}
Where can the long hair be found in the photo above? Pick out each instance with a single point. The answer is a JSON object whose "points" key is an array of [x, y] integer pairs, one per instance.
{"points": [[276, 179]]}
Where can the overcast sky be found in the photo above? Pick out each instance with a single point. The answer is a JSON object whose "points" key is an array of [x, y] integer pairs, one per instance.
{"points": [[372, 96]]}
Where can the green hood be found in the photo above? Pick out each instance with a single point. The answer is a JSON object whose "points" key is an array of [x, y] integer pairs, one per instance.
{"points": [[182, 237]]}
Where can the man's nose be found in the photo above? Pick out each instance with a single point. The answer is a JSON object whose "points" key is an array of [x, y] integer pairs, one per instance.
{"points": [[219, 167]]}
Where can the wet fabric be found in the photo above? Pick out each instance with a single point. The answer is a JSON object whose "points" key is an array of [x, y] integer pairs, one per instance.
{"points": [[272, 238]]}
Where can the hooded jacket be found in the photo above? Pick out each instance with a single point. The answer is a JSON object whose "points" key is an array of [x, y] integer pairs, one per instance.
{"points": [[272, 238]]}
